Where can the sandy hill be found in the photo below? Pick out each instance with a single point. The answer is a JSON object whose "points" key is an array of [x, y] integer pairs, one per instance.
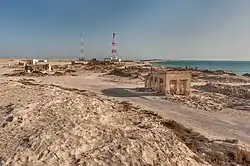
{"points": [[51, 125]]}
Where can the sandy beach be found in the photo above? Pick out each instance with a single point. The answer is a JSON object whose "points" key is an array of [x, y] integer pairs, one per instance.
{"points": [[101, 114]]}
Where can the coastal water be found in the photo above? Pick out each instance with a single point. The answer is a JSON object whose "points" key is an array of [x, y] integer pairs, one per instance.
{"points": [[239, 67]]}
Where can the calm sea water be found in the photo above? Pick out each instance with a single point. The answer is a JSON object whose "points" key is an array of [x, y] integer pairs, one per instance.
{"points": [[239, 67]]}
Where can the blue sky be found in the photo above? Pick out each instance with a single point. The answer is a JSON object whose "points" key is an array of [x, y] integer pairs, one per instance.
{"points": [[169, 29]]}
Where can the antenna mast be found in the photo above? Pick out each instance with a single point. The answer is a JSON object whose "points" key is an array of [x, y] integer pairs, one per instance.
{"points": [[113, 50], [81, 47]]}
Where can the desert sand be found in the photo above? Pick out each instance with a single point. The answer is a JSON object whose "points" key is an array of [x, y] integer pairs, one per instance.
{"points": [[100, 114]]}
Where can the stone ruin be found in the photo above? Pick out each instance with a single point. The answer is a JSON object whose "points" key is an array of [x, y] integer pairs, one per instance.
{"points": [[37, 66], [169, 82], [15, 64]]}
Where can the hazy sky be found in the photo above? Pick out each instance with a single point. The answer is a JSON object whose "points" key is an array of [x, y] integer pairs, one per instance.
{"points": [[170, 29]]}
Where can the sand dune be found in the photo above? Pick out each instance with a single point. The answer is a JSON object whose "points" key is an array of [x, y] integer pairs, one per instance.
{"points": [[47, 125]]}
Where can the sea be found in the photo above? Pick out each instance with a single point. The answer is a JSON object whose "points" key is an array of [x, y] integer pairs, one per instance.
{"points": [[239, 67]]}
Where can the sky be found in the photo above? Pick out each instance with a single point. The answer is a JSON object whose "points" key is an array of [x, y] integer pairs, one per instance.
{"points": [[166, 29]]}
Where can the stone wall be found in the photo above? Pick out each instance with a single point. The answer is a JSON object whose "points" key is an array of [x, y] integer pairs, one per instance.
{"points": [[38, 67], [169, 82]]}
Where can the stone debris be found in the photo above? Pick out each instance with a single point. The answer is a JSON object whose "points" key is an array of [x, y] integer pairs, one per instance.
{"points": [[144, 90], [212, 97], [238, 91], [57, 71], [101, 66], [196, 101], [131, 72], [201, 77], [39, 74], [120, 73], [246, 75], [218, 72]]}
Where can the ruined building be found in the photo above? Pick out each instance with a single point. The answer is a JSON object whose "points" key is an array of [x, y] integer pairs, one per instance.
{"points": [[169, 82], [37, 65]]}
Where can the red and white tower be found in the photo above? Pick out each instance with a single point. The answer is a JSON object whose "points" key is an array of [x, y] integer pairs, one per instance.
{"points": [[114, 55]]}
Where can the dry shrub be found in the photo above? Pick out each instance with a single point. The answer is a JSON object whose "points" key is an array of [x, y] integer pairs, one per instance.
{"points": [[120, 73], [216, 153]]}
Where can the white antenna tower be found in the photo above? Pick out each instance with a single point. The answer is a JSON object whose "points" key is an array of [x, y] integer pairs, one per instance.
{"points": [[81, 47]]}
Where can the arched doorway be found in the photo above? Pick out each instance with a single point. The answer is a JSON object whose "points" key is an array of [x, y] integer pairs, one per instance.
{"points": [[173, 86], [161, 87], [183, 87]]}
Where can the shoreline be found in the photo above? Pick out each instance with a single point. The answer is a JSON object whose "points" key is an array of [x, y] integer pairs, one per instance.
{"points": [[247, 74], [217, 109]]}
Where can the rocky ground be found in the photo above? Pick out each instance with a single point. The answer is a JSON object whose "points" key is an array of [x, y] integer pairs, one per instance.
{"points": [[66, 69], [215, 92], [53, 125], [211, 90]]}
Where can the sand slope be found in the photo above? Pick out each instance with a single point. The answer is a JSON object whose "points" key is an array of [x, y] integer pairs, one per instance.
{"points": [[50, 125]]}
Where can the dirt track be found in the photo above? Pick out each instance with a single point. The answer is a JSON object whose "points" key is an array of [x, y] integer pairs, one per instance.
{"points": [[228, 123]]}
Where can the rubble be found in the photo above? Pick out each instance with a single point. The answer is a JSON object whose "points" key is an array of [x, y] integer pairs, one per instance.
{"points": [[218, 72], [40, 74], [120, 73], [246, 75], [214, 97], [201, 77], [144, 90], [15, 64], [131, 72], [60, 67], [207, 102], [101, 66], [238, 91], [23, 73]]}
